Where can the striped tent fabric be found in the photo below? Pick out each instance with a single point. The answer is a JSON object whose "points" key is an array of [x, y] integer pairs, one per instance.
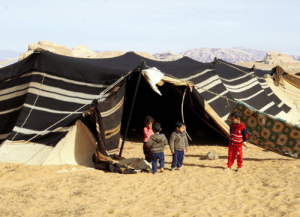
{"points": [[37, 96], [250, 87], [223, 84], [38, 92], [111, 111], [210, 86], [252, 83], [43, 95]]}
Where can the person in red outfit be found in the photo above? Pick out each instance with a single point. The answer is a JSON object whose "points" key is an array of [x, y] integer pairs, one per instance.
{"points": [[238, 135], [147, 133]]}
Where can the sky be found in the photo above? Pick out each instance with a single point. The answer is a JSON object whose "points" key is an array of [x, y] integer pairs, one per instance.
{"points": [[152, 26]]}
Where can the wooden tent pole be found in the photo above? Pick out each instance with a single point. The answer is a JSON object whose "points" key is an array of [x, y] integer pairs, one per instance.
{"points": [[130, 113]]}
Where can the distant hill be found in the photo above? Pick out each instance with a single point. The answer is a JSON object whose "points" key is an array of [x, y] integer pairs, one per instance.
{"points": [[295, 57], [167, 56], [6, 64], [259, 53], [9, 54], [5, 55], [205, 54]]}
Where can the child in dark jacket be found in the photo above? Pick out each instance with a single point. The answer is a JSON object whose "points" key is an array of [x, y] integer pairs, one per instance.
{"points": [[178, 142], [238, 135], [157, 143]]}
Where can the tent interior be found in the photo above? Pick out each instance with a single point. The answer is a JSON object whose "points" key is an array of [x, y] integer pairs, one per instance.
{"points": [[166, 109]]}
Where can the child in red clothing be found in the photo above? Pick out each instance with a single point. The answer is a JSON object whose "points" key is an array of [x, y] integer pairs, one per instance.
{"points": [[238, 135], [147, 133]]}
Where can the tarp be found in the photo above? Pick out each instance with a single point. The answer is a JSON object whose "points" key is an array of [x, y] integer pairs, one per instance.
{"points": [[269, 132]]}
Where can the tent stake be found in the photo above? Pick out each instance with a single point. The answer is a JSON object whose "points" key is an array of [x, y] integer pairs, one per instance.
{"points": [[130, 113]]}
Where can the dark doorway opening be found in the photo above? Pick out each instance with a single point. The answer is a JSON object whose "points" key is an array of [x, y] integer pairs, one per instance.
{"points": [[165, 109]]}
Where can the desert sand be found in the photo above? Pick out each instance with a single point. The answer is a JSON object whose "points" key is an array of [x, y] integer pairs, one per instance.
{"points": [[267, 186]]}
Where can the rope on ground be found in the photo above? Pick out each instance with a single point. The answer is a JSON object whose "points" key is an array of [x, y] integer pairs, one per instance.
{"points": [[25, 162]]}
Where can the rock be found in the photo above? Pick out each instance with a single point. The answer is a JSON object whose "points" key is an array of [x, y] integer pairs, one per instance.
{"points": [[46, 46], [83, 52], [212, 155], [277, 58], [230, 55], [167, 56], [110, 54], [26, 54], [144, 54], [34, 46], [259, 53], [55, 48]]}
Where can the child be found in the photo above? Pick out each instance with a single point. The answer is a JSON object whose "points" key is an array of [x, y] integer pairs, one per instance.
{"points": [[178, 142], [147, 133], [238, 135], [157, 143]]}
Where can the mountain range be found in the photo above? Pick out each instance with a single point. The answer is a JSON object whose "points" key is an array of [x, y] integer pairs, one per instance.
{"points": [[204, 54]]}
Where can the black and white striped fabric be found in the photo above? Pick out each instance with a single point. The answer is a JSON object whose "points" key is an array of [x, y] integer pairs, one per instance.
{"points": [[44, 88], [224, 80], [35, 101], [212, 89], [250, 87]]}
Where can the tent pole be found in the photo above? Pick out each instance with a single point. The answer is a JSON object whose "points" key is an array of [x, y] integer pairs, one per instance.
{"points": [[130, 113]]}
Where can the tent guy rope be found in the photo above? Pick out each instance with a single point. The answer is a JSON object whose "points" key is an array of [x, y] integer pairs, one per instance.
{"points": [[8, 61], [103, 92], [42, 83]]}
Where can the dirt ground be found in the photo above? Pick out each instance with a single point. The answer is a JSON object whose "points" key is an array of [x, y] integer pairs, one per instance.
{"points": [[267, 186]]}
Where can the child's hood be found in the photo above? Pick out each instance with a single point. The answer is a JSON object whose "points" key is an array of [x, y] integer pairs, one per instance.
{"points": [[157, 137], [179, 134]]}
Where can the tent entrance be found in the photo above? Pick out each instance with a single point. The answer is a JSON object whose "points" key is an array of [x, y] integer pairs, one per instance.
{"points": [[165, 109]]}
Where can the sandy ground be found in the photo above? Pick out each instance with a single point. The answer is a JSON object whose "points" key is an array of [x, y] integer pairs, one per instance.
{"points": [[267, 186]]}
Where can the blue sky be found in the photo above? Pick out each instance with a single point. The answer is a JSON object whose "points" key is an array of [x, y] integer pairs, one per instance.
{"points": [[152, 26]]}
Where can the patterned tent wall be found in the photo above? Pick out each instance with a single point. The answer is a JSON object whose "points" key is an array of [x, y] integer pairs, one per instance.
{"points": [[270, 132]]}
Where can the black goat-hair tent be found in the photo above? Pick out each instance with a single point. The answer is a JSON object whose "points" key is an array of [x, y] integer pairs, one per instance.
{"points": [[44, 88]]}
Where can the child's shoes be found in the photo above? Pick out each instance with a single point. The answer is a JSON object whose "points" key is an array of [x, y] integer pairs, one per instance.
{"points": [[239, 170]]}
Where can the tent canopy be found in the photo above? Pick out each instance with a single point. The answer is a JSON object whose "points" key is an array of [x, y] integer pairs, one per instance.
{"points": [[45, 89]]}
